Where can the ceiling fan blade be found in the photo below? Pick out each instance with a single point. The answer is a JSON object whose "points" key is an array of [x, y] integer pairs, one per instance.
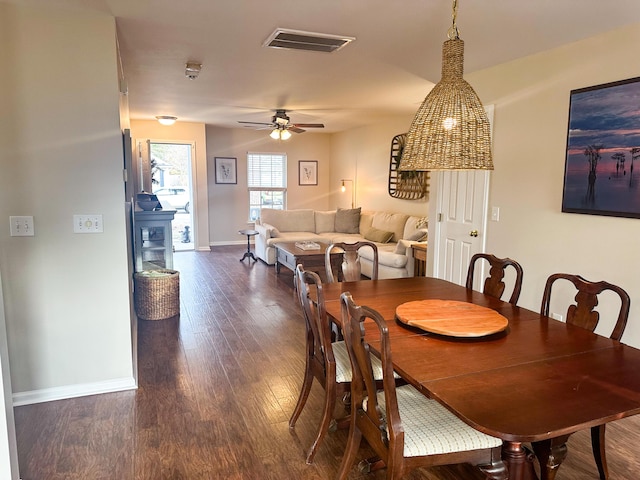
{"points": [[295, 129], [255, 123], [308, 125]]}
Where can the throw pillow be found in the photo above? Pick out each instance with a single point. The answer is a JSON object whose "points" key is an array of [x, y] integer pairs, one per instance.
{"points": [[422, 223], [401, 247], [377, 235], [348, 220], [325, 221], [418, 235]]}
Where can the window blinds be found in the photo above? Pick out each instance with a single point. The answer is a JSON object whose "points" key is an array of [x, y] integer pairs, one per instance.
{"points": [[266, 170]]}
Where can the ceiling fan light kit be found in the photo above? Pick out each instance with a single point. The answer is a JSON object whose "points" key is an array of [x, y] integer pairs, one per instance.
{"points": [[280, 134], [451, 129], [280, 126]]}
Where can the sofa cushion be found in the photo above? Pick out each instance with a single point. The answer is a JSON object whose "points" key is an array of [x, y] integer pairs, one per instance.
{"points": [[386, 256], [335, 237], [348, 220], [294, 237], [377, 235], [366, 219], [325, 221], [418, 235], [392, 222], [289, 220], [414, 223]]}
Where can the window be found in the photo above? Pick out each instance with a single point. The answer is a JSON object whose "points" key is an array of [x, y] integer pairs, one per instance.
{"points": [[267, 181]]}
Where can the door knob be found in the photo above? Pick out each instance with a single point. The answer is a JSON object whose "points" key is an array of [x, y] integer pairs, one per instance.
{"points": [[473, 233]]}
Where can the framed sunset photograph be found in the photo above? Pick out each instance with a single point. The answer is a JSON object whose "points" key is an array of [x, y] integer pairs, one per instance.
{"points": [[602, 176]]}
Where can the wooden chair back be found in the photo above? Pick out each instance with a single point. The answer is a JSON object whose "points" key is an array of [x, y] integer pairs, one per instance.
{"points": [[379, 422], [351, 269], [494, 284], [318, 330], [363, 384], [582, 313], [320, 362]]}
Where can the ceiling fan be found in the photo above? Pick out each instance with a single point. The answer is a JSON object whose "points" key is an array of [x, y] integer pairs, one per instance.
{"points": [[281, 122]]}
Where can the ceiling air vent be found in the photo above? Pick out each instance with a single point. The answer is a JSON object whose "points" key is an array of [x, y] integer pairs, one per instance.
{"points": [[299, 40]]}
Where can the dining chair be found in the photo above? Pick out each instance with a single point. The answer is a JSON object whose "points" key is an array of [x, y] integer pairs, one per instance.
{"points": [[582, 314], [405, 428], [494, 284], [350, 268], [326, 361]]}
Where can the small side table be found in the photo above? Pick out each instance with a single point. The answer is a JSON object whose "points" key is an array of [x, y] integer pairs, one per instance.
{"points": [[419, 259], [248, 253]]}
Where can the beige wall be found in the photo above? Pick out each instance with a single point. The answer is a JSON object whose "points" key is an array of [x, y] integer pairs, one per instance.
{"points": [[531, 98], [66, 295], [363, 154], [229, 204], [143, 130], [360, 154]]}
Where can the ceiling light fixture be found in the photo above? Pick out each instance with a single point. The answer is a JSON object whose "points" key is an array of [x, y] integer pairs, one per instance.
{"points": [[451, 130], [166, 119], [280, 133]]}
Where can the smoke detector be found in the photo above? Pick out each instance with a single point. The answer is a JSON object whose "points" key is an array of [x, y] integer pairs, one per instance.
{"points": [[192, 70]]}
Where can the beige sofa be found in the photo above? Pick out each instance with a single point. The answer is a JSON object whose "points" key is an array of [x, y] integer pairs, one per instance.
{"points": [[395, 256]]}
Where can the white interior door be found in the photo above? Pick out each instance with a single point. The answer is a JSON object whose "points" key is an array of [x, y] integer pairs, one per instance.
{"points": [[461, 220]]}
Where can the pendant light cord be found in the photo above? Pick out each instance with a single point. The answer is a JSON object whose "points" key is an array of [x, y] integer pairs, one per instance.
{"points": [[453, 32]]}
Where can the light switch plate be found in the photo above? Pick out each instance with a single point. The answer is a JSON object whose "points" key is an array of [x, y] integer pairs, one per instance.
{"points": [[495, 214], [87, 224], [21, 226]]}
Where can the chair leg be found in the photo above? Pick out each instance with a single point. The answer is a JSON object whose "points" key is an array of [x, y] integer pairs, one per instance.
{"points": [[599, 453], [353, 444], [371, 464], [302, 398], [327, 416]]}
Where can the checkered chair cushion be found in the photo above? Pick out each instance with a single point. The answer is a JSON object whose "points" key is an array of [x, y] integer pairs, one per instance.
{"points": [[343, 366], [430, 429]]}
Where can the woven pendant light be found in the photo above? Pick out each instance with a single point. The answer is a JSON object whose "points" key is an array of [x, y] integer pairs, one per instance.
{"points": [[451, 130]]}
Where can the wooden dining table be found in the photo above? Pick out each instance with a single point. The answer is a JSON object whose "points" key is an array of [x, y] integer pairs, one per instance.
{"points": [[539, 380]]}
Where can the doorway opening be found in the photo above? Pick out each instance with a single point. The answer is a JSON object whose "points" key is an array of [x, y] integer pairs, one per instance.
{"points": [[171, 180]]}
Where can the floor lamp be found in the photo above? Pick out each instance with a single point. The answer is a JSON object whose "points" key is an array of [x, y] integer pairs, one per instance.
{"points": [[343, 189]]}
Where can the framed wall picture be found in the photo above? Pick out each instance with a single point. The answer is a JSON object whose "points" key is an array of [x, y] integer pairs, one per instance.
{"points": [[307, 172], [226, 170], [603, 144]]}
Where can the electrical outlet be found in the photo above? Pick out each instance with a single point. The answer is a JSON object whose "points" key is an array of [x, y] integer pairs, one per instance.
{"points": [[21, 226], [87, 224]]}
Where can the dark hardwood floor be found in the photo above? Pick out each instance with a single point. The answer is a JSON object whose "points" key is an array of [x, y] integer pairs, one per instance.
{"points": [[216, 388]]}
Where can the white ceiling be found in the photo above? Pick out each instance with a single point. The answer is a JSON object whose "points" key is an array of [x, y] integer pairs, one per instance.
{"points": [[388, 69]]}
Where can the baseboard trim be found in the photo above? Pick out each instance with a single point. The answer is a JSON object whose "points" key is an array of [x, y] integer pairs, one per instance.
{"points": [[72, 391], [228, 242]]}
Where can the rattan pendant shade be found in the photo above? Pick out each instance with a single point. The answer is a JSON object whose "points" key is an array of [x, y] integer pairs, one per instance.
{"points": [[451, 130]]}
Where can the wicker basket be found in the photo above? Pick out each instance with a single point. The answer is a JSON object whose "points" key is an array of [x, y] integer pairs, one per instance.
{"points": [[157, 294]]}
